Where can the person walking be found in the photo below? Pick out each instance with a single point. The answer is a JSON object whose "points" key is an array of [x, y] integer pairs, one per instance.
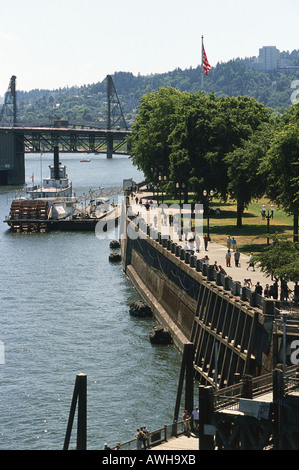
{"points": [[258, 288], [296, 292], [195, 416], [237, 258], [206, 240], [228, 258], [186, 419], [251, 262], [274, 290], [139, 438], [228, 242], [284, 293], [145, 437], [234, 244], [197, 243], [267, 291]]}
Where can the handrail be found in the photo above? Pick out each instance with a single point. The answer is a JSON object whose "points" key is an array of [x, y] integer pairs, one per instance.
{"points": [[155, 437]]}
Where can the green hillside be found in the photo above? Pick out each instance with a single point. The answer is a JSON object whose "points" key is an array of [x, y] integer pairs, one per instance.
{"points": [[87, 104]]}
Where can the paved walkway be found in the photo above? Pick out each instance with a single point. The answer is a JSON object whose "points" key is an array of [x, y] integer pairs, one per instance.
{"points": [[215, 252]]}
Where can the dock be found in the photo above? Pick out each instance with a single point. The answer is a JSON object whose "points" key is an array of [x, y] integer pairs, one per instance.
{"points": [[181, 443]]}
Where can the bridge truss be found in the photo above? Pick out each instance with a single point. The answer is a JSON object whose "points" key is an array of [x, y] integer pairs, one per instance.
{"points": [[69, 140]]}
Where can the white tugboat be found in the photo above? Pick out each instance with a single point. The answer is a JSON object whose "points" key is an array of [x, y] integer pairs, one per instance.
{"points": [[56, 186]]}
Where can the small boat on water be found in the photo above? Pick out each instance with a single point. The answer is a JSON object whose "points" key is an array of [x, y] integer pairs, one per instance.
{"points": [[85, 160]]}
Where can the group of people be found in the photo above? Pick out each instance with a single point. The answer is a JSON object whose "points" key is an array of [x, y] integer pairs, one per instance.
{"points": [[273, 291], [228, 257], [142, 438], [232, 250], [188, 419]]}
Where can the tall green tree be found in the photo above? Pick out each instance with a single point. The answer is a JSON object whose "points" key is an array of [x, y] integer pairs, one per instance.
{"points": [[149, 140], [206, 130], [245, 181], [282, 170]]}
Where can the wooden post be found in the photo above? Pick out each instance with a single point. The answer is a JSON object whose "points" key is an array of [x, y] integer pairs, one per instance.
{"points": [[79, 395], [82, 412], [278, 393], [247, 387], [187, 365], [206, 410], [189, 396]]}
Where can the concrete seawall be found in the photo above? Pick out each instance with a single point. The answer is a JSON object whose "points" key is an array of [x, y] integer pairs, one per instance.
{"points": [[196, 305]]}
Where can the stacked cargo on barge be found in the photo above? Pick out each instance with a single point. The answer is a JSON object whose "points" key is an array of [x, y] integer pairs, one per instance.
{"points": [[29, 216]]}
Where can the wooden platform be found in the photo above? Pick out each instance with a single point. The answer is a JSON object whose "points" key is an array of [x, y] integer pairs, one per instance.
{"points": [[179, 443]]}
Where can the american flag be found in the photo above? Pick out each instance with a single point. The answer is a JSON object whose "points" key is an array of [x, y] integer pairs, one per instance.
{"points": [[205, 62]]}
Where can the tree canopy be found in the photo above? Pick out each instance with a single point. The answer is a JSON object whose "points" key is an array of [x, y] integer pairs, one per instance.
{"points": [[195, 138], [281, 166], [281, 260]]}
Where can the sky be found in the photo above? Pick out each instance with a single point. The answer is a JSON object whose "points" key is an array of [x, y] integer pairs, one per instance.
{"points": [[49, 44]]}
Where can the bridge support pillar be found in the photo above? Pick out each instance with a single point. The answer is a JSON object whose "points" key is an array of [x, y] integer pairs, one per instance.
{"points": [[109, 146], [12, 159]]}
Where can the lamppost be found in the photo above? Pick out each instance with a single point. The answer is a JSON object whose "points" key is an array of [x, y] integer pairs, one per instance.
{"points": [[180, 187], [267, 216], [208, 197], [153, 181], [164, 178]]}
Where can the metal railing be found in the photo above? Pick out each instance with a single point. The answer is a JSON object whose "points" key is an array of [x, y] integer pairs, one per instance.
{"points": [[155, 437], [229, 397]]}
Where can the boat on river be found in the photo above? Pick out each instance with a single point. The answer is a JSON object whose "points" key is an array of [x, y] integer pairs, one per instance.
{"points": [[53, 206]]}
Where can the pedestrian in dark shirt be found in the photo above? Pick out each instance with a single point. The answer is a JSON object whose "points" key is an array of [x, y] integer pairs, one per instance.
{"points": [[206, 239], [237, 257], [258, 288]]}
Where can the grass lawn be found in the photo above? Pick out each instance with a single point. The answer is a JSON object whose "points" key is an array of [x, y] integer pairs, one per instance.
{"points": [[250, 236]]}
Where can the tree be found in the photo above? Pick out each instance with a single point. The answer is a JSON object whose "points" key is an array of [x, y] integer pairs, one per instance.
{"points": [[206, 130], [245, 181], [281, 260], [189, 141], [281, 170], [149, 140]]}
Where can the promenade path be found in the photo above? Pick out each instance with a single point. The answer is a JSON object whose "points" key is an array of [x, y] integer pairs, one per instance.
{"points": [[216, 252]]}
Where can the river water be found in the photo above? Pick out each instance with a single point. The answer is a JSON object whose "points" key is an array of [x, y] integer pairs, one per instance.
{"points": [[65, 310]]}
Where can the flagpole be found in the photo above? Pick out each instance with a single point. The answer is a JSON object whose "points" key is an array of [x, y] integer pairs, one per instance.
{"points": [[201, 63]]}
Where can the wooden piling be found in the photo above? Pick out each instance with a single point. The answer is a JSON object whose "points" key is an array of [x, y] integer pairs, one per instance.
{"points": [[80, 397], [187, 371], [206, 409]]}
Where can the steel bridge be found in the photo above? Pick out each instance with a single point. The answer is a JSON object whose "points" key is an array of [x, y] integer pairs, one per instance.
{"points": [[17, 140]]}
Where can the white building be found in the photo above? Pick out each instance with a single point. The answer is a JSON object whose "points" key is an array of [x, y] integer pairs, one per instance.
{"points": [[268, 58]]}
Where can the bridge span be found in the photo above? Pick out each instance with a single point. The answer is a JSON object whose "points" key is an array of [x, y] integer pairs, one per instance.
{"points": [[16, 140]]}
